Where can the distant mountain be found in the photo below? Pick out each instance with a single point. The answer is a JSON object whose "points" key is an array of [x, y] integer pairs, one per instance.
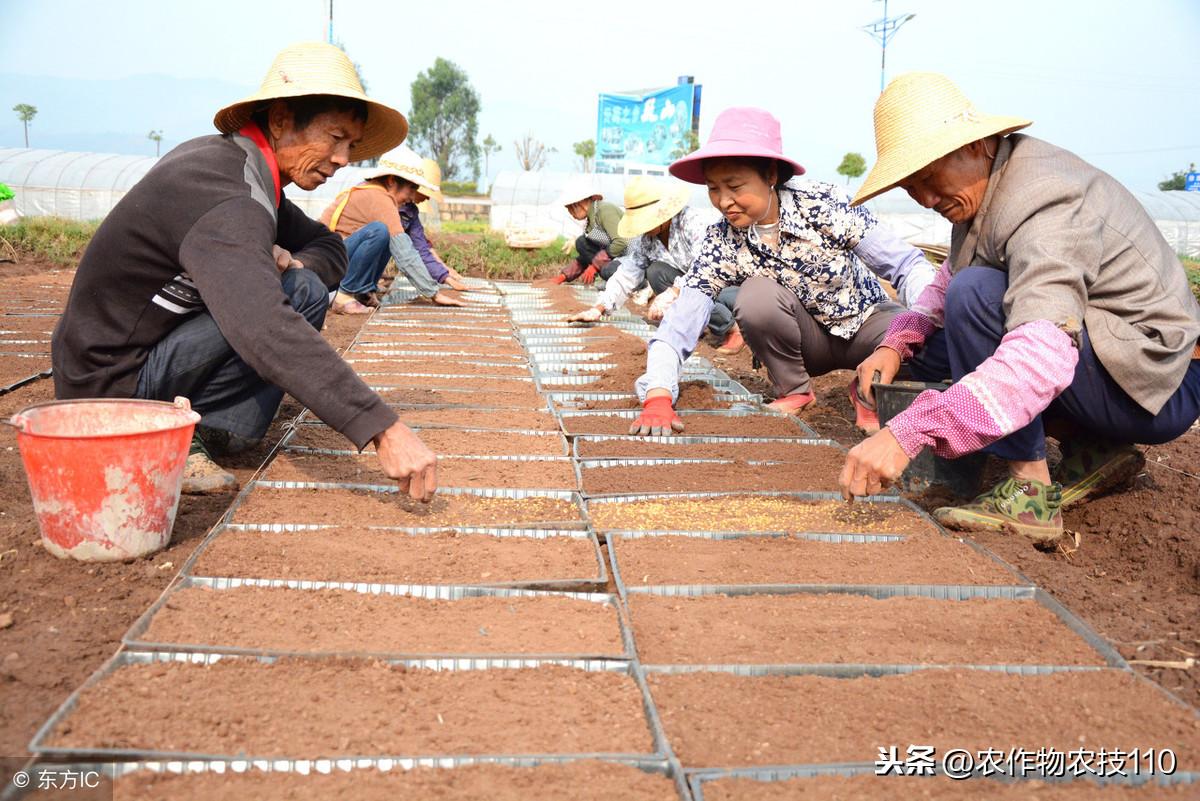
{"points": [[112, 116]]}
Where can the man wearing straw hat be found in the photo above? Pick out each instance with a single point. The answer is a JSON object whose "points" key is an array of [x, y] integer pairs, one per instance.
{"points": [[665, 235], [205, 281], [370, 219], [1061, 308]]}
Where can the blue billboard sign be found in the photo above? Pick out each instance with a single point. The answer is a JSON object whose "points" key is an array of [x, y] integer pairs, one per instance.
{"points": [[1191, 182], [644, 128]]}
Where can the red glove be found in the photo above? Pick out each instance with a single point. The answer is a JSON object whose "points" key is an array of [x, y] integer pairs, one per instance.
{"points": [[559, 279], [658, 418], [589, 275]]}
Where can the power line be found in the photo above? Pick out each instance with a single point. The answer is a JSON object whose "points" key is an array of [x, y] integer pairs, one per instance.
{"points": [[882, 30]]}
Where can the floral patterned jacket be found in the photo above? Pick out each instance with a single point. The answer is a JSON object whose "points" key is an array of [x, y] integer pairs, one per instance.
{"points": [[818, 230]]}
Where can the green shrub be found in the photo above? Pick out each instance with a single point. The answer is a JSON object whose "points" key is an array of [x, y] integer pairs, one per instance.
{"points": [[465, 227], [54, 239], [1193, 273], [453, 188], [487, 256], [5, 193]]}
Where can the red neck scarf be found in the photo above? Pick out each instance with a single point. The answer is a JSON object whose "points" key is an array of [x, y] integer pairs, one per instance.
{"points": [[252, 132]]}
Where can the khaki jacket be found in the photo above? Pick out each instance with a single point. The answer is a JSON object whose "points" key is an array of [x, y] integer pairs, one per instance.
{"points": [[1079, 248]]}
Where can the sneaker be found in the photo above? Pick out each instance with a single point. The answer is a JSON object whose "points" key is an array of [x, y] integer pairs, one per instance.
{"points": [[1091, 468], [202, 476], [790, 404], [347, 304], [865, 417], [733, 343], [222, 442], [1026, 507]]}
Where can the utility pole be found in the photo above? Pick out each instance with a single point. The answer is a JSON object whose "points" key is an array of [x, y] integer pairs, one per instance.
{"points": [[883, 30], [330, 22]]}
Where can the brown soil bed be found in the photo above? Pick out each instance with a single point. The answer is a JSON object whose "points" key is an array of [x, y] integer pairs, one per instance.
{"points": [[480, 387], [26, 327], [446, 441], [891, 788], [646, 449], [851, 629], [394, 338], [351, 507], [393, 557], [818, 473], [452, 472], [18, 368], [580, 781], [695, 425], [40, 348], [692, 395], [383, 372], [780, 720], [489, 418], [795, 560], [753, 513], [527, 399], [308, 709], [339, 621]]}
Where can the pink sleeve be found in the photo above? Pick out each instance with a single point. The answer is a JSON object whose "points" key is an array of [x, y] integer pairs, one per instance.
{"points": [[910, 329], [1034, 363]]}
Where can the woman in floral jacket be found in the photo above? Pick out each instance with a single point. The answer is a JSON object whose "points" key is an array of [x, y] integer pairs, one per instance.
{"points": [[806, 262]]}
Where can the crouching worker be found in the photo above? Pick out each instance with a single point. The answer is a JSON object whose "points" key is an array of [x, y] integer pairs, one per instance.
{"points": [[1061, 309], [804, 260], [378, 220], [664, 236], [205, 281], [601, 243]]}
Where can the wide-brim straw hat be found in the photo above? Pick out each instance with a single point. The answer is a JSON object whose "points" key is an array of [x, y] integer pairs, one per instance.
{"points": [[649, 204], [433, 171], [579, 187], [403, 162], [741, 131], [316, 68], [919, 118]]}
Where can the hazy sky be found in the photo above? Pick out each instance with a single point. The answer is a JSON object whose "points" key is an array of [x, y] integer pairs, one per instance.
{"points": [[1118, 84]]}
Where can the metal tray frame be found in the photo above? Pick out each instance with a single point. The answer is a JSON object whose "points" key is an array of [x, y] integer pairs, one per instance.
{"points": [[564, 414], [133, 638], [606, 463], [574, 464], [294, 432], [124, 658], [683, 442], [308, 418]]}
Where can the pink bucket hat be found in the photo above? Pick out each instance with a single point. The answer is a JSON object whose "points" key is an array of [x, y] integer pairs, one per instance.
{"points": [[740, 131]]}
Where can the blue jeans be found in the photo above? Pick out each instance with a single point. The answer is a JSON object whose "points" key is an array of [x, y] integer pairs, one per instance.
{"points": [[974, 326], [197, 362], [367, 249]]}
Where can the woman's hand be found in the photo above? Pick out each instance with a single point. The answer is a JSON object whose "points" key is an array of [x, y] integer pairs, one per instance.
{"points": [[661, 303], [872, 465], [589, 315], [884, 361]]}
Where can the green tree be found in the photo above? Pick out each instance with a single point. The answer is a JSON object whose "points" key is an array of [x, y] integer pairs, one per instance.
{"points": [[688, 143], [443, 119], [156, 138], [852, 166], [531, 154], [489, 146], [586, 150], [1177, 180], [25, 113]]}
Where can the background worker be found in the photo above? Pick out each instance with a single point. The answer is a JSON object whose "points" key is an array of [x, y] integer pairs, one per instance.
{"points": [[600, 243], [410, 213], [1061, 304], [205, 282], [806, 263], [664, 235], [369, 218]]}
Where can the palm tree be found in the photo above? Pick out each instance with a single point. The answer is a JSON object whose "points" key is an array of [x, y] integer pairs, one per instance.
{"points": [[156, 137], [25, 113]]}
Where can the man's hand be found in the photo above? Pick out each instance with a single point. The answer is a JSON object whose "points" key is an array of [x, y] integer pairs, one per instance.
{"points": [[884, 361], [661, 303], [284, 260], [445, 300], [590, 315], [872, 464], [405, 458], [658, 418]]}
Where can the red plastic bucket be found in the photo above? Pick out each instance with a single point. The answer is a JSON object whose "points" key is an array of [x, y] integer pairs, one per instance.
{"points": [[105, 474]]}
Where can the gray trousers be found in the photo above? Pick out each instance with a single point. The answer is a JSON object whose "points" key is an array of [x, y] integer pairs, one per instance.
{"points": [[661, 277], [196, 361], [792, 345]]}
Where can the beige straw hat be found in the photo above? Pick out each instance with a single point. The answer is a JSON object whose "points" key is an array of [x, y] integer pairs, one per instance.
{"points": [[315, 68], [579, 187], [649, 204], [433, 171], [403, 162], [919, 118]]}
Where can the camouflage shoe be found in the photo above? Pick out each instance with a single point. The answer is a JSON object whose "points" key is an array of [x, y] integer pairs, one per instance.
{"points": [[1026, 507], [1091, 468], [203, 476]]}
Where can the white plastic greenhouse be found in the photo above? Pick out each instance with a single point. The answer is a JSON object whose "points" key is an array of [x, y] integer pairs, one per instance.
{"points": [[86, 186]]}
